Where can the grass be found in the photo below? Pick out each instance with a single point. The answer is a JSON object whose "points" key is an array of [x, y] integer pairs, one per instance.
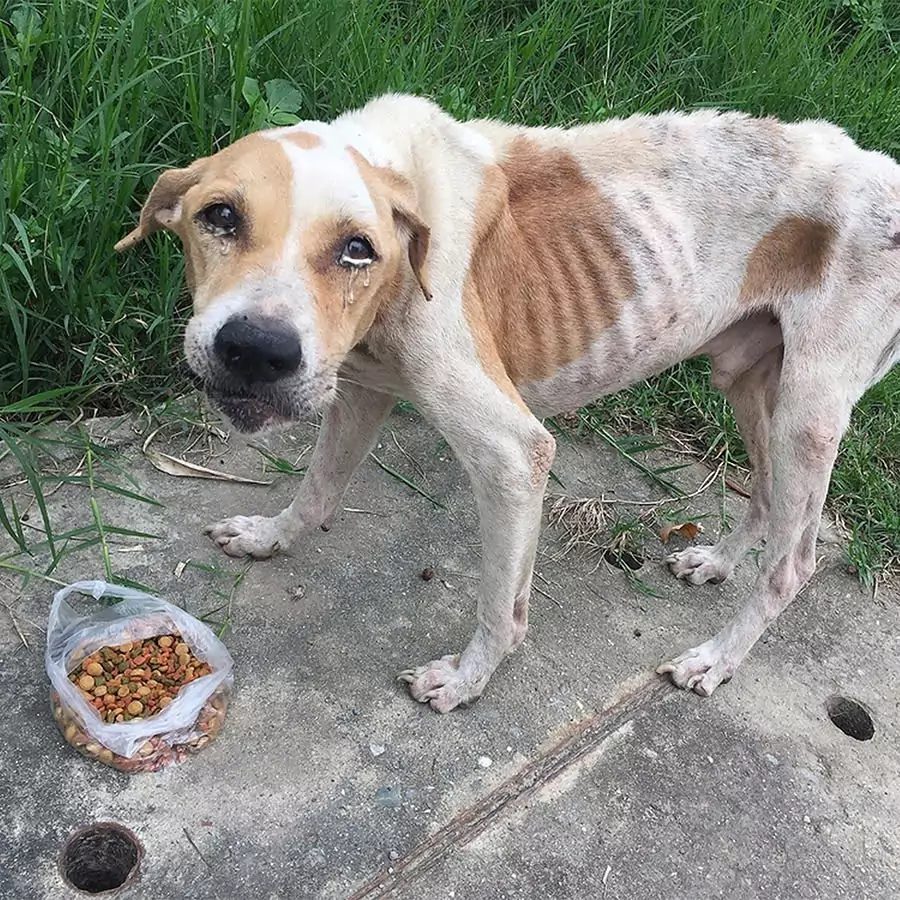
{"points": [[97, 97]]}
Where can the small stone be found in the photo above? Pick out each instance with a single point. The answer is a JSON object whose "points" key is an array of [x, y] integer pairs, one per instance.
{"points": [[807, 820], [427, 574], [376, 749], [388, 797], [394, 854], [637, 632], [485, 762]]}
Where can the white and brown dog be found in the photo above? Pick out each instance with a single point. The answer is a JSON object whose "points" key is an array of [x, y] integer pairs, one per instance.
{"points": [[493, 274]]}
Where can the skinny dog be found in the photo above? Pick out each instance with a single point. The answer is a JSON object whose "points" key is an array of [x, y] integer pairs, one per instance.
{"points": [[493, 274]]}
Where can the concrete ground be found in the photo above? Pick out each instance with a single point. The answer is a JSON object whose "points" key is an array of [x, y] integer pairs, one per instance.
{"points": [[579, 774]]}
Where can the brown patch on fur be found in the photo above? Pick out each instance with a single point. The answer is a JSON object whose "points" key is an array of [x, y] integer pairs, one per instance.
{"points": [[791, 258], [546, 275], [254, 176], [405, 210], [305, 140], [348, 301]]}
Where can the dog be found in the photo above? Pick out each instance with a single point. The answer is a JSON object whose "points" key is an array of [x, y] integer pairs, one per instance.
{"points": [[494, 274]]}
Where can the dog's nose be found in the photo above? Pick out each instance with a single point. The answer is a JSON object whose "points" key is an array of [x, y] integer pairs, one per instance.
{"points": [[255, 352]]}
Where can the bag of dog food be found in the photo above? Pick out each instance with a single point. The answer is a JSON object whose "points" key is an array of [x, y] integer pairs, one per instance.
{"points": [[137, 684]]}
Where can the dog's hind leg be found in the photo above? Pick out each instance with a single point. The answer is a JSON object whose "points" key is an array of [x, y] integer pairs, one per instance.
{"points": [[811, 413], [752, 396], [349, 429]]}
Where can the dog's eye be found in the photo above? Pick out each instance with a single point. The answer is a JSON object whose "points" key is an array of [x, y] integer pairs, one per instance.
{"points": [[220, 217], [357, 252]]}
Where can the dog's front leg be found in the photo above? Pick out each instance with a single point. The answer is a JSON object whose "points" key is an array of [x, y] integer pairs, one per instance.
{"points": [[349, 429], [507, 454]]}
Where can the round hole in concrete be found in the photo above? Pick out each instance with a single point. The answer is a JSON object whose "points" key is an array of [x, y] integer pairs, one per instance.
{"points": [[100, 858], [851, 717]]}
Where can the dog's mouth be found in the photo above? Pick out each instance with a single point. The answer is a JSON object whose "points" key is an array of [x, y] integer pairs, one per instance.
{"points": [[256, 407], [250, 414]]}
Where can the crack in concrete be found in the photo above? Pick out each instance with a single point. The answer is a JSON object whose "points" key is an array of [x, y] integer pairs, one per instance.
{"points": [[583, 738]]}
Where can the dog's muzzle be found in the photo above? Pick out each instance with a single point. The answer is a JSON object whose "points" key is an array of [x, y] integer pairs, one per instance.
{"points": [[255, 368]]}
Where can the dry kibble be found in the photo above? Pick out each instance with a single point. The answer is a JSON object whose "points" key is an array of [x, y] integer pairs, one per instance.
{"points": [[149, 671], [133, 682]]}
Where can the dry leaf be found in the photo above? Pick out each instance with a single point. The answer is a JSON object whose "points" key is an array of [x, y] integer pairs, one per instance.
{"points": [[181, 468], [687, 530]]}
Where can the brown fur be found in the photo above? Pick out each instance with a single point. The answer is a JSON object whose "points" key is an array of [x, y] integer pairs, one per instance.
{"points": [[546, 275], [305, 140], [791, 258], [348, 301], [254, 178], [404, 209]]}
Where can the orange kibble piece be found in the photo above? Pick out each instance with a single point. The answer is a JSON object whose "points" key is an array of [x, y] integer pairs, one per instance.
{"points": [[135, 708], [100, 690], [86, 682], [126, 647], [123, 691], [165, 641], [143, 691], [164, 702], [94, 668]]}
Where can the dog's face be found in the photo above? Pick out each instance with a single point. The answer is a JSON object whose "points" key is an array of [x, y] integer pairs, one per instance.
{"points": [[292, 242]]}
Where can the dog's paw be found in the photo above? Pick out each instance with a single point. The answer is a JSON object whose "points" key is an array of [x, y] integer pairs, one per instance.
{"points": [[698, 565], [701, 669], [255, 536], [440, 684]]}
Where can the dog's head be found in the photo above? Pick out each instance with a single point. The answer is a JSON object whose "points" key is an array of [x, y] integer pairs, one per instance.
{"points": [[293, 241]]}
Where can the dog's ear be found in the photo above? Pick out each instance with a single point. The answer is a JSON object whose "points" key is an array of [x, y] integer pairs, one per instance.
{"points": [[408, 219], [163, 207]]}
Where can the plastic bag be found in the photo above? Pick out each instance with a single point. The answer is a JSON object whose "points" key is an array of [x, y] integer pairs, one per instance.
{"points": [[186, 724]]}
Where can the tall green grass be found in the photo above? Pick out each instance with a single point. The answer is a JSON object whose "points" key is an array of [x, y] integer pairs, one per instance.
{"points": [[96, 97]]}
